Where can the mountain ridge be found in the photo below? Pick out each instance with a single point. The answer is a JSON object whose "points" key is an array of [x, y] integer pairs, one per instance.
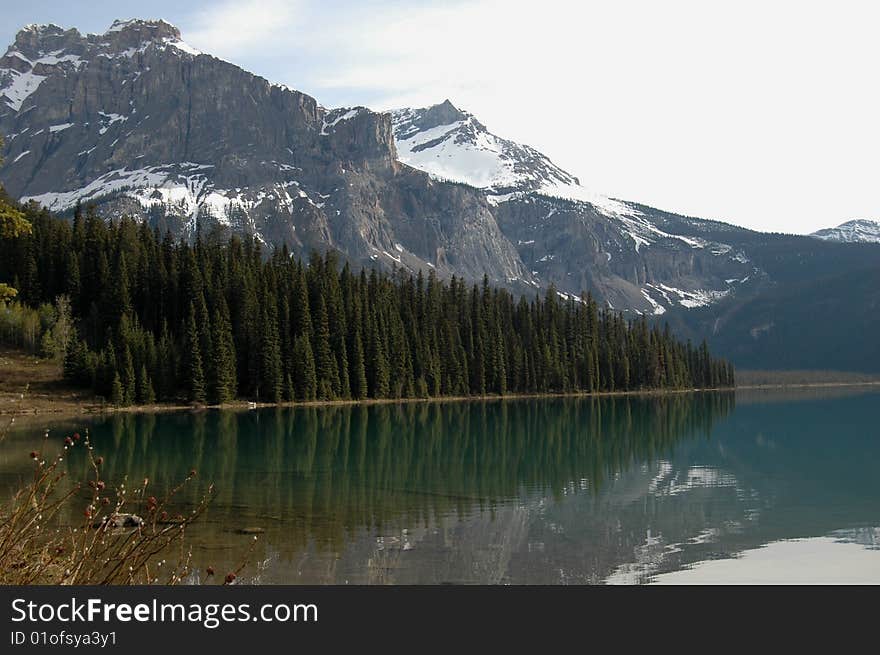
{"points": [[139, 123], [539, 225]]}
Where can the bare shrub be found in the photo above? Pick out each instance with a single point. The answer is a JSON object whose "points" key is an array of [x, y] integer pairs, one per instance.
{"points": [[123, 537]]}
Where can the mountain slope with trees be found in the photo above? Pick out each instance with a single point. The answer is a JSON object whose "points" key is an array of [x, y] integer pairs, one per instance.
{"points": [[218, 319]]}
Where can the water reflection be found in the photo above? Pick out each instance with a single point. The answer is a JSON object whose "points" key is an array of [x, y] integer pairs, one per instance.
{"points": [[589, 490], [816, 560]]}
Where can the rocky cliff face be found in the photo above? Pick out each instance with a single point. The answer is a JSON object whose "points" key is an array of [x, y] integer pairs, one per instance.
{"points": [[138, 122]]}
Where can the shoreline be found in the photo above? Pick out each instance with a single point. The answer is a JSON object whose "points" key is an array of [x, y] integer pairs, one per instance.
{"points": [[806, 385], [65, 408], [72, 408]]}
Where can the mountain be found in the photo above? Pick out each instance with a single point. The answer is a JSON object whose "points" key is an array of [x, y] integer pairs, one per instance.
{"points": [[452, 144], [819, 310], [137, 122], [631, 256], [764, 300], [857, 231]]}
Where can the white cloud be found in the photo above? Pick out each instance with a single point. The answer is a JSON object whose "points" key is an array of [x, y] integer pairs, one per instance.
{"points": [[233, 28]]}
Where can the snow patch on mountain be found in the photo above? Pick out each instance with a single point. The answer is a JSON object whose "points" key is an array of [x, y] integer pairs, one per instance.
{"points": [[337, 116], [184, 47], [657, 308], [689, 299], [108, 119], [185, 188], [19, 87], [154, 177], [644, 233], [453, 145]]}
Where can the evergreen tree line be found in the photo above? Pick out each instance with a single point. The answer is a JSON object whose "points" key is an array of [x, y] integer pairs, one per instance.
{"points": [[215, 320]]}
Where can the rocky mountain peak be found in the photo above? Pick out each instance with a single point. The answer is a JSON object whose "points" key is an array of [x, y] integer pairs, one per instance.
{"points": [[33, 41], [135, 33], [42, 52], [36, 41], [149, 29], [447, 106], [410, 121]]}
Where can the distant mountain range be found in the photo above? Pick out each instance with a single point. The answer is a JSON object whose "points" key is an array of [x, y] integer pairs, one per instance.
{"points": [[857, 231], [137, 122]]}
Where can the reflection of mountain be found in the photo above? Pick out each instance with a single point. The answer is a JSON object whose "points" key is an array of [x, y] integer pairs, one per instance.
{"points": [[868, 537], [538, 491], [771, 472]]}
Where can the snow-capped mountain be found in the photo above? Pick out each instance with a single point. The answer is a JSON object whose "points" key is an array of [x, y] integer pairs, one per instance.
{"points": [[452, 144], [565, 233], [137, 122], [140, 123], [856, 231]]}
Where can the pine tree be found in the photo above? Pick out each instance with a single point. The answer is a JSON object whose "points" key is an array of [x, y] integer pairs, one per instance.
{"points": [[328, 375], [116, 292], [286, 344], [305, 383], [380, 380], [129, 383], [145, 394], [106, 372], [167, 372], [401, 378], [359, 388], [79, 365], [117, 395], [301, 317], [499, 366], [206, 346], [194, 377], [223, 382], [270, 353]]}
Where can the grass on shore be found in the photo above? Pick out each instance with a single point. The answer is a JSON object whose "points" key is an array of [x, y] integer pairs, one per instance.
{"points": [[40, 380]]}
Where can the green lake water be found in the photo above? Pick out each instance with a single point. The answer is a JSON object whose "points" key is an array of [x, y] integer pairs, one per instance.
{"points": [[750, 487]]}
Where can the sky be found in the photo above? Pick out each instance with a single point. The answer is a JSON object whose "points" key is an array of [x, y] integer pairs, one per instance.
{"points": [[763, 114]]}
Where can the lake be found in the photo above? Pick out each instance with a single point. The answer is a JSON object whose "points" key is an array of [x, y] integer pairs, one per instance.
{"points": [[757, 486]]}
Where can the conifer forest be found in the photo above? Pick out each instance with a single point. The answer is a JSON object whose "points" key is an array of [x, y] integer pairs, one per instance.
{"points": [[213, 319]]}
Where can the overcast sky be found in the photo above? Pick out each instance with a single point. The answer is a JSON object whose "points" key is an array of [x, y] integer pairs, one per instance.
{"points": [[764, 114]]}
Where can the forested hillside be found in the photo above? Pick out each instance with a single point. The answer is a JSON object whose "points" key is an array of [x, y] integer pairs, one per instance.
{"points": [[218, 319]]}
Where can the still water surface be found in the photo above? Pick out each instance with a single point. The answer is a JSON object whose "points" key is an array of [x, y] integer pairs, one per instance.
{"points": [[753, 487]]}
